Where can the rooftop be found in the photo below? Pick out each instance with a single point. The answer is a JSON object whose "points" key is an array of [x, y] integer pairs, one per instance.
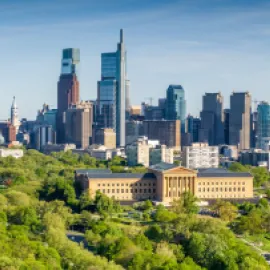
{"points": [[93, 171], [121, 175], [221, 172], [163, 166]]}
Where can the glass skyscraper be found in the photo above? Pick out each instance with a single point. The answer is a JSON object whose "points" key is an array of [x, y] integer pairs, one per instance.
{"points": [[263, 126], [112, 91], [176, 105]]}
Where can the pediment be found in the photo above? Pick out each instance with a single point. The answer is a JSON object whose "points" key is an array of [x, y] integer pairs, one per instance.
{"points": [[180, 170]]}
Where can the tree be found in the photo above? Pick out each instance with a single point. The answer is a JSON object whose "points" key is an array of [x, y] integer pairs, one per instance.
{"points": [[225, 210], [163, 215], [186, 204], [260, 175]]}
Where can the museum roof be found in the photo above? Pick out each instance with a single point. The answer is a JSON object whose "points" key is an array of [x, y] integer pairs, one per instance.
{"points": [[121, 175], [221, 172], [163, 166], [93, 171]]}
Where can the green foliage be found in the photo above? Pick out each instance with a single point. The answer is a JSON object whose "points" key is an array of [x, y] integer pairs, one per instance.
{"points": [[163, 215], [186, 204], [225, 210]]}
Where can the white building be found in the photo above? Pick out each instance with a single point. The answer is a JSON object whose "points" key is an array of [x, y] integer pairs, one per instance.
{"points": [[16, 153], [14, 116], [148, 152], [201, 155]]}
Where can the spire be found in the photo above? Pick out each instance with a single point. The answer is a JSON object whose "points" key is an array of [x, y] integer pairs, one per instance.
{"points": [[14, 105], [121, 36]]}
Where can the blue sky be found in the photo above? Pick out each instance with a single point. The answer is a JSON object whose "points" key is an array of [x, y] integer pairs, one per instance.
{"points": [[204, 45]]}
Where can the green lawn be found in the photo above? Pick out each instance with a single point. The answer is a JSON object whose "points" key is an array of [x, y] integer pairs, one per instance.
{"points": [[259, 241]]}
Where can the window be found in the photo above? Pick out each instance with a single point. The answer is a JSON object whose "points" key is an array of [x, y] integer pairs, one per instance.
{"points": [[243, 189], [135, 184], [199, 183], [154, 190], [98, 185], [140, 190], [127, 185], [243, 183], [131, 191], [239, 189], [216, 183], [149, 184], [199, 189], [112, 190], [108, 191], [217, 189], [154, 184], [122, 184], [135, 190], [230, 189], [117, 185], [213, 189], [122, 191], [149, 190], [203, 189], [140, 184], [103, 185], [118, 190], [103, 190], [221, 189], [145, 184], [225, 189], [126, 190], [145, 190], [113, 185], [234, 189]]}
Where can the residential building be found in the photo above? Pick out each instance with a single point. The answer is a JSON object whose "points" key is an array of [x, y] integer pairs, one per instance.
{"points": [[212, 119], [176, 105], [112, 91], [106, 137], [138, 152], [16, 153], [263, 126], [148, 152], [200, 155], [68, 92], [166, 182], [44, 134], [239, 126], [167, 132], [78, 126]]}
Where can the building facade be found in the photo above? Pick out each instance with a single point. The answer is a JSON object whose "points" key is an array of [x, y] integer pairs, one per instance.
{"points": [[201, 155], [212, 119], [78, 126], [16, 153], [105, 136], [134, 130], [167, 132], [176, 105], [166, 182], [239, 126], [112, 91], [68, 91], [14, 115], [263, 126], [44, 134]]}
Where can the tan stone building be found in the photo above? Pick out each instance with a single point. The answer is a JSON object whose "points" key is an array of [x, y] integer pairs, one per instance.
{"points": [[165, 182], [106, 137]]}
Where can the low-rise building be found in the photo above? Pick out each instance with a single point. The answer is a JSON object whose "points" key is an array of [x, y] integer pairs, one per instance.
{"points": [[165, 182], [49, 148], [254, 157], [201, 155], [16, 153], [148, 152]]}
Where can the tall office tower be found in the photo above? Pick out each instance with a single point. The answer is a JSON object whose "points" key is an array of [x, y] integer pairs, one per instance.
{"points": [[14, 116], [263, 126], [128, 104], [68, 92], [44, 135], [193, 125], [78, 126], [167, 132], [226, 125], [239, 127], [176, 105], [212, 119], [8, 131], [112, 91]]}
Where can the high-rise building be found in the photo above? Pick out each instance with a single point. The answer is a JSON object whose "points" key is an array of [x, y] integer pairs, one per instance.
{"points": [[68, 88], [105, 136], [239, 127], [134, 130], [167, 132], [128, 104], [212, 119], [176, 105], [44, 134], [8, 131], [112, 91], [78, 126], [14, 116], [263, 126], [226, 125], [193, 125]]}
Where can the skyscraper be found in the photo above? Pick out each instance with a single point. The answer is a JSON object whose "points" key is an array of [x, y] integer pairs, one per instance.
{"points": [[212, 119], [176, 105], [68, 88], [263, 126], [14, 116], [239, 126], [78, 125], [112, 91]]}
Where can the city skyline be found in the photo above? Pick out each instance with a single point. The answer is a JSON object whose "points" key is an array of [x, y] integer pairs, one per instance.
{"points": [[224, 50]]}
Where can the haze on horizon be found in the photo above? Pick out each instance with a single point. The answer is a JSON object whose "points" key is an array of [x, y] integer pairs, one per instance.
{"points": [[206, 46]]}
